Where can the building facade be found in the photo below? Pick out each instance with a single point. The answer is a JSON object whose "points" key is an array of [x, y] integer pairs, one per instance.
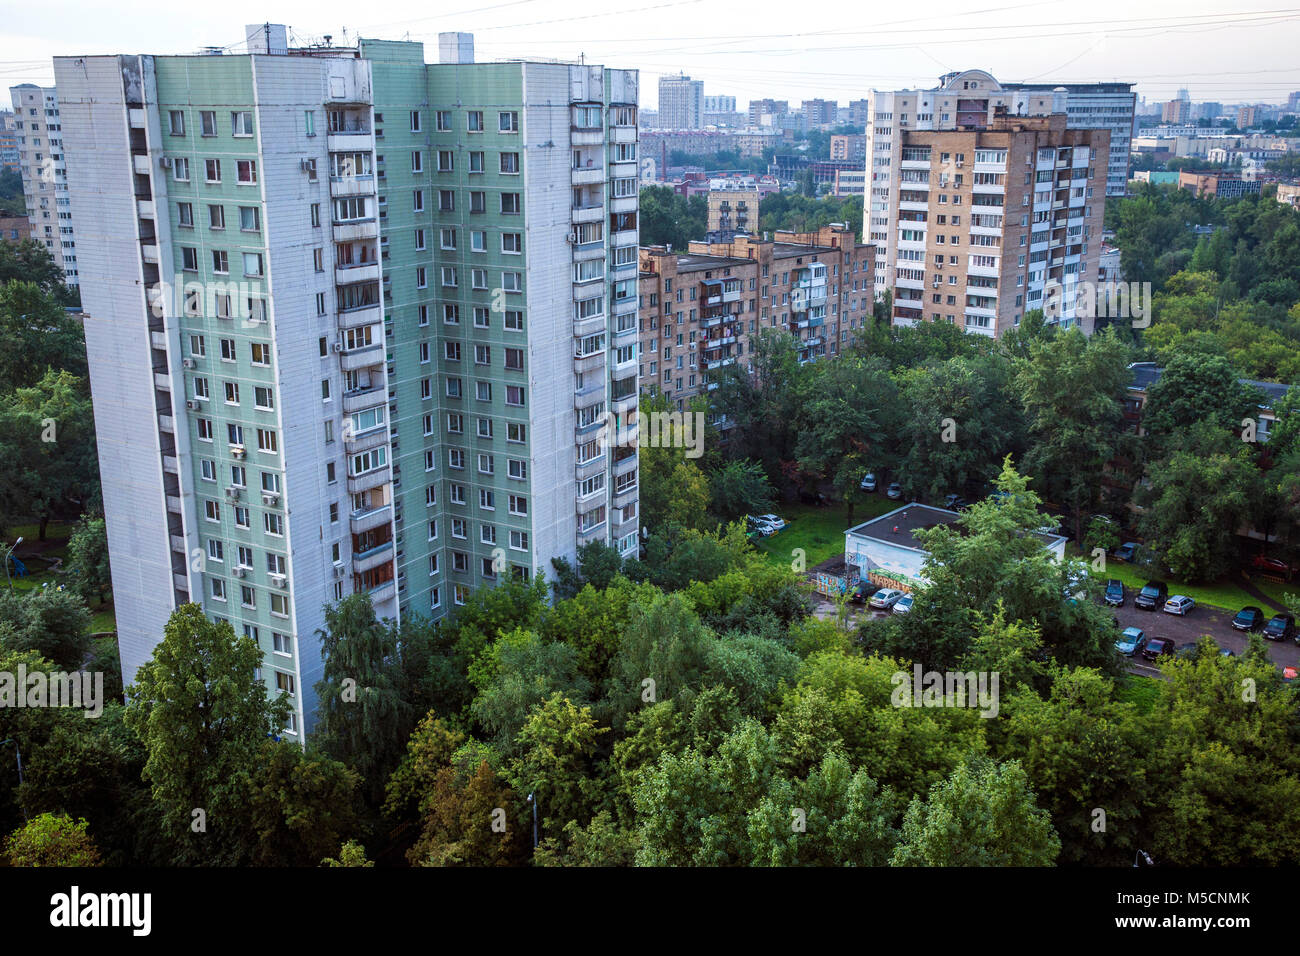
{"points": [[701, 309], [353, 326], [850, 146], [987, 220], [733, 210], [681, 102], [39, 141]]}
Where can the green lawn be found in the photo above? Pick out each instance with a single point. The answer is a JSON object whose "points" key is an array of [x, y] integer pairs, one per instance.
{"points": [[1140, 691], [1226, 593], [819, 531]]}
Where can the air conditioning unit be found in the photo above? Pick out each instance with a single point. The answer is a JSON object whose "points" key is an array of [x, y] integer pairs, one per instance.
{"points": [[306, 164], [191, 404], [239, 572], [188, 363], [232, 493], [339, 570], [338, 346], [278, 580], [269, 498], [165, 162], [237, 451]]}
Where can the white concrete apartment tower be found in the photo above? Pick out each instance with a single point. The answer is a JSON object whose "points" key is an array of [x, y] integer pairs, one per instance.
{"points": [[231, 277], [45, 179]]}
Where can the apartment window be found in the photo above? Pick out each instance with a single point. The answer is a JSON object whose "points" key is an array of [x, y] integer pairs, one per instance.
{"points": [[211, 511], [232, 393], [516, 432], [250, 219], [518, 505], [510, 204], [446, 161], [508, 122], [478, 279], [185, 214], [218, 589], [181, 169], [515, 359], [481, 319], [478, 241], [446, 200], [189, 258], [517, 469], [417, 200], [457, 494], [444, 121], [415, 121], [220, 261], [264, 398], [478, 202], [512, 243], [252, 263], [176, 122], [510, 164], [512, 281], [267, 441], [447, 238], [241, 123], [417, 162], [309, 122], [208, 123], [315, 214], [212, 170], [483, 391]]}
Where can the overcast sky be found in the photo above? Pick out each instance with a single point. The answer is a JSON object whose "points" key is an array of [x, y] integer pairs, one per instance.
{"points": [[749, 49]]}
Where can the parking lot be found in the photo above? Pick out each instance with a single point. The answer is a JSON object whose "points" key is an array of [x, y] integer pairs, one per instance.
{"points": [[1202, 620], [1183, 630]]}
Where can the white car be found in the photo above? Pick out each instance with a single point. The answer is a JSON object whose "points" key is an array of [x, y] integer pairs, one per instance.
{"points": [[885, 598], [1179, 604], [775, 521], [904, 604], [868, 482], [761, 527]]}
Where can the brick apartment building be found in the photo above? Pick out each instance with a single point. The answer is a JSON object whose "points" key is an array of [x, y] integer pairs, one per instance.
{"points": [[987, 218], [699, 309]]}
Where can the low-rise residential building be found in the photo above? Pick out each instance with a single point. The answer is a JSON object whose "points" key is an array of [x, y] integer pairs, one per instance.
{"points": [[1289, 194], [849, 146], [849, 182], [733, 210], [1218, 185], [700, 309]]}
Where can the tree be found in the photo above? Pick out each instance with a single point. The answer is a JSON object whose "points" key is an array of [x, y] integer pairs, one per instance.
{"points": [[668, 218], [49, 840], [471, 818], [363, 716], [983, 815], [1196, 388], [1071, 387], [27, 261], [601, 843], [51, 622], [526, 671], [740, 488], [849, 413], [674, 489], [203, 715], [557, 763], [1195, 500], [351, 853], [47, 440], [88, 559], [302, 804]]}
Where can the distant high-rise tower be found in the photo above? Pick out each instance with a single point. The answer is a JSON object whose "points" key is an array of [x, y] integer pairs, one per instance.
{"points": [[681, 102], [45, 177]]}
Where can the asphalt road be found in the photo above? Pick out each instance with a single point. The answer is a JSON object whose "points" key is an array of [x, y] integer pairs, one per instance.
{"points": [[1186, 629]]}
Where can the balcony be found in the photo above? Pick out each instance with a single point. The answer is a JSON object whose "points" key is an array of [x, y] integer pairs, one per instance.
{"points": [[362, 521], [350, 141], [149, 252], [163, 381], [165, 424], [355, 229], [371, 479], [383, 592], [362, 358], [145, 208], [589, 175], [364, 441], [588, 213], [718, 363], [361, 272], [363, 315], [362, 398], [366, 560], [344, 186]]}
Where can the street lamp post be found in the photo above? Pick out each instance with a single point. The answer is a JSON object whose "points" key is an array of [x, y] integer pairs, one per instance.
{"points": [[532, 799], [19, 754], [9, 553]]}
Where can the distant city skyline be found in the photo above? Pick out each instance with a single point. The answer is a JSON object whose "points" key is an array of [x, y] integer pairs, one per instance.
{"points": [[1215, 52]]}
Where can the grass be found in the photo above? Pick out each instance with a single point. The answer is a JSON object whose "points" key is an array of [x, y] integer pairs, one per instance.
{"points": [[38, 574], [1226, 593], [1141, 692], [819, 531]]}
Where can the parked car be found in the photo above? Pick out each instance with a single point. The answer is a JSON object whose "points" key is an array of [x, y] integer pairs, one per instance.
{"points": [[1249, 618], [1131, 641], [885, 598], [868, 482], [954, 502], [1275, 565], [862, 591], [1114, 595], [776, 522], [1179, 604], [895, 490], [1280, 627], [1157, 648], [1126, 551], [1226, 652], [759, 526], [904, 604], [1152, 596], [1188, 651]]}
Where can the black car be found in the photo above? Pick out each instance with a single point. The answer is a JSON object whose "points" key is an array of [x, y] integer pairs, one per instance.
{"points": [[1114, 595], [1280, 627], [1249, 618], [862, 592], [1157, 648], [1152, 596]]}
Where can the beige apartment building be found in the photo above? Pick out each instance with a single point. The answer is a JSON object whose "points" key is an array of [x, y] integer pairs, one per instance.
{"points": [[994, 222], [699, 310], [733, 210]]}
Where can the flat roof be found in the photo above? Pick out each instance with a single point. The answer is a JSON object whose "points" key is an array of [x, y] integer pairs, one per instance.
{"points": [[900, 526]]}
